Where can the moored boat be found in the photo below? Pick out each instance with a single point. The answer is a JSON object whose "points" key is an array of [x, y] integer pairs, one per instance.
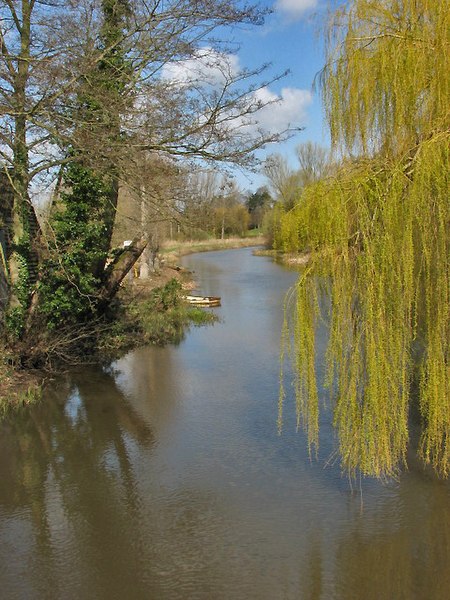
{"points": [[203, 300]]}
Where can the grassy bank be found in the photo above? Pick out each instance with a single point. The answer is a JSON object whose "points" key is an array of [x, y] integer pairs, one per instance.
{"points": [[144, 315], [152, 315], [150, 311], [172, 251], [18, 388], [294, 259]]}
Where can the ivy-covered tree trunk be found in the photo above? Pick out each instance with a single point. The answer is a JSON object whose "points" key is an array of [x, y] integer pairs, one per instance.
{"points": [[76, 287], [24, 231], [111, 78], [105, 111]]}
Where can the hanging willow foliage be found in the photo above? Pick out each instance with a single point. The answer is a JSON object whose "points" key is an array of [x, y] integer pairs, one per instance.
{"points": [[378, 231]]}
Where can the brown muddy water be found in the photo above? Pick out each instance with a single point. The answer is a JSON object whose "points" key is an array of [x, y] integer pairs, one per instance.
{"points": [[164, 478]]}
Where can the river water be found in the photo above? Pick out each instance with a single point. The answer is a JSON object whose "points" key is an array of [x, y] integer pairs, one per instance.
{"points": [[164, 477]]}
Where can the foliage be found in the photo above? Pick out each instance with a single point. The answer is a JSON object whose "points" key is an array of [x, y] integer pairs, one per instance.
{"points": [[165, 315], [290, 187], [69, 287], [285, 181], [378, 230], [160, 319], [257, 205], [166, 297], [231, 220], [213, 207], [386, 83]]}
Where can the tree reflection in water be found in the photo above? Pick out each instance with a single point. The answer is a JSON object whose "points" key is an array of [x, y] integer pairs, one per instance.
{"points": [[67, 470]]}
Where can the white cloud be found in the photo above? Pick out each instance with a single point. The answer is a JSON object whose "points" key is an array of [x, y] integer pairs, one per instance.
{"points": [[277, 113], [289, 109], [260, 111], [295, 8], [206, 67]]}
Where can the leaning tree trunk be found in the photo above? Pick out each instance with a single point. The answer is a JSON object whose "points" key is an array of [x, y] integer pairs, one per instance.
{"points": [[119, 268]]}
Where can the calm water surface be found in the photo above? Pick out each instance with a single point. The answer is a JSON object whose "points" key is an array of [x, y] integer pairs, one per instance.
{"points": [[164, 478]]}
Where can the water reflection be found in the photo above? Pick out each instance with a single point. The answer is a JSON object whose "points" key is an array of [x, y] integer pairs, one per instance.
{"points": [[68, 497], [164, 478], [149, 381], [403, 552]]}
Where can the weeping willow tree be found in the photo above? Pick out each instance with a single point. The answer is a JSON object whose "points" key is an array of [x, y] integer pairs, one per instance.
{"points": [[378, 232]]}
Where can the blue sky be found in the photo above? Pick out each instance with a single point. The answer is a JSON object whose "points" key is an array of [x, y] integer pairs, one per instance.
{"points": [[289, 39]]}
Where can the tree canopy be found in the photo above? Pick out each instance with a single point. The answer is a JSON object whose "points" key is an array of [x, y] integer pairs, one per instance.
{"points": [[378, 232], [90, 91]]}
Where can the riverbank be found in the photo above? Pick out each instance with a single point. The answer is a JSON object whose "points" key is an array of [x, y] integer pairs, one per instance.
{"points": [[298, 259], [169, 263], [18, 388], [148, 311], [152, 314], [174, 250]]}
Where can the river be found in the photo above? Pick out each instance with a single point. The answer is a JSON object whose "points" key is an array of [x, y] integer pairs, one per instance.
{"points": [[163, 477]]}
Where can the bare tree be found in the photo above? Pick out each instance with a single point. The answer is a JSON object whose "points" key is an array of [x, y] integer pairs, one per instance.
{"points": [[315, 162], [203, 187], [57, 60], [284, 180]]}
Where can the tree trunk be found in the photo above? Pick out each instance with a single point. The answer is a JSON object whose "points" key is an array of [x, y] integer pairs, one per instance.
{"points": [[24, 232], [144, 270], [118, 269]]}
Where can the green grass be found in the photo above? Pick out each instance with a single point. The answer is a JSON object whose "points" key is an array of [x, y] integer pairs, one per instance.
{"points": [[17, 388], [252, 233]]}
